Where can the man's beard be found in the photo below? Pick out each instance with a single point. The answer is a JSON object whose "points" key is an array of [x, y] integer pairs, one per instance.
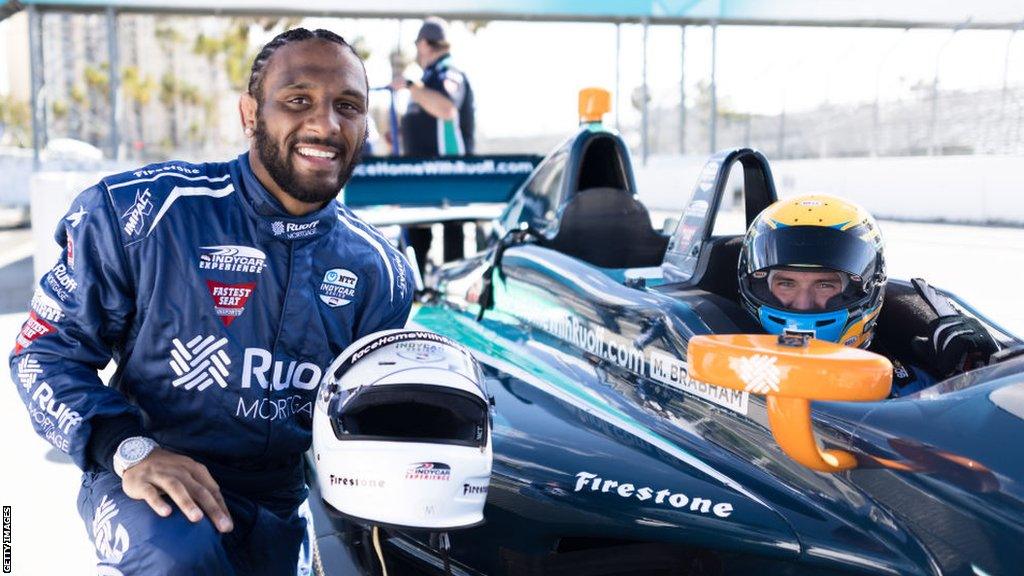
{"points": [[279, 165]]}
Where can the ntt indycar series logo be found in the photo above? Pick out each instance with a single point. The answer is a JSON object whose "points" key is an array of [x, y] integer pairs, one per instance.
{"points": [[338, 287], [429, 471], [232, 259]]}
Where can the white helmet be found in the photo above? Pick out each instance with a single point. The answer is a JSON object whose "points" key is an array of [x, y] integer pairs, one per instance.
{"points": [[401, 432]]}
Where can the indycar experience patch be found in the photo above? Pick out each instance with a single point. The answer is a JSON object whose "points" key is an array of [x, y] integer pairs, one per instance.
{"points": [[229, 299], [429, 471]]}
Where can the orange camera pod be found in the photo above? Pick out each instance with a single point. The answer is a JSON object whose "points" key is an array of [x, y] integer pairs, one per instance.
{"points": [[791, 376]]}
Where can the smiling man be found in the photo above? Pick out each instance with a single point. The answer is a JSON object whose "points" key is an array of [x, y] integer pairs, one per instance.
{"points": [[222, 291]]}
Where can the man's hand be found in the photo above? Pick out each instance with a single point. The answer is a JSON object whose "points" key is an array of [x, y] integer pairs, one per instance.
{"points": [[398, 83], [186, 481], [957, 342]]}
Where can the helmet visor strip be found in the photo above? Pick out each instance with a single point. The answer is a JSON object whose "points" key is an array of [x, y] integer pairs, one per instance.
{"points": [[813, 246]]}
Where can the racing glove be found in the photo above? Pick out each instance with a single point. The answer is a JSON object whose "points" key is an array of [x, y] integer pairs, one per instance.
{"points": [[956, 343]]}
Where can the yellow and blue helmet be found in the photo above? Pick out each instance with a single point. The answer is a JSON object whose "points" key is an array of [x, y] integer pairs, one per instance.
{"points": [[816, 233]]}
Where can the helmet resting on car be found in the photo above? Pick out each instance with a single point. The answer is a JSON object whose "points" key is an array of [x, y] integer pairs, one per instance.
{"points": [[815, 236], [402, 432]]}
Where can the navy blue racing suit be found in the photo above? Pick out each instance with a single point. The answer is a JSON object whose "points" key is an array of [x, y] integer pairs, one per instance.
{"points": [[221, 312]]}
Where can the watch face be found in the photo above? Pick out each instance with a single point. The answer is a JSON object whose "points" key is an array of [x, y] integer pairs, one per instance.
{"points": [[134, 449]]}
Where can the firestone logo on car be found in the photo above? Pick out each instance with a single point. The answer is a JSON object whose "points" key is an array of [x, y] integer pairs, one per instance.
{"points": [[590, 482]]}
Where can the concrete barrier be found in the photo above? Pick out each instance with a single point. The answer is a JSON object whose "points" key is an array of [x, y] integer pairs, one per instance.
{"points": [[966, 189]]}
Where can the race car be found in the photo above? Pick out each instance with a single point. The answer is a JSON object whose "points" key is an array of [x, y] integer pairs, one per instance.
{"points": [[623, 444]]}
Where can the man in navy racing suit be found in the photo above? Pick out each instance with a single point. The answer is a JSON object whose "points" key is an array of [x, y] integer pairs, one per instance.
{"points": [[222, 291]]}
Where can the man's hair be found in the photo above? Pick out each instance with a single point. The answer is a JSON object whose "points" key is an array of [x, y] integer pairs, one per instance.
{"points": [[438, 45], [259, 64]]}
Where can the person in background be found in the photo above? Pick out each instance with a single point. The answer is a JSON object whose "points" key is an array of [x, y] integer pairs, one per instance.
{"points": [[439, 121]]}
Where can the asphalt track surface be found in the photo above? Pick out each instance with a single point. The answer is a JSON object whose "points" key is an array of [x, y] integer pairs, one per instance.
{"points": [[982, 265]]}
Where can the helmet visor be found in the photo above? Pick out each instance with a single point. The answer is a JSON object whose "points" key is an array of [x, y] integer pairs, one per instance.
{"points": [[813, 246], [411, 413], [804, 289]]}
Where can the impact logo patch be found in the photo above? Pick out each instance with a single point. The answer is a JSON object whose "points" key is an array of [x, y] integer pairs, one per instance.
{"points": [[135, 217], [429, 471], [33, 328], [229, 299], [338, 287], [232, 259]]}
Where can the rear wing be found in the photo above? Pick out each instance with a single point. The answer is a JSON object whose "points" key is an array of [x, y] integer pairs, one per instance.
{"points": [[437, 182]]}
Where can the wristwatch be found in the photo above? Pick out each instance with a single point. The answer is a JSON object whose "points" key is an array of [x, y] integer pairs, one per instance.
{"points": [[409, 83], [131, 451]]}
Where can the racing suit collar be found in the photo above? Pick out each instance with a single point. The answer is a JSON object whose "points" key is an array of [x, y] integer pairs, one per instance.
{"points": [[273, 219], [433, 66]]}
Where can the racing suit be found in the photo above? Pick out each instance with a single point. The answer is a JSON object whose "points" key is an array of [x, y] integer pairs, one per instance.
{"points": [[221, 311]]}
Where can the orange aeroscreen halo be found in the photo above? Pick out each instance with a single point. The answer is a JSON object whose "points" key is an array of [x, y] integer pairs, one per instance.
{"points": [[818, 370]]}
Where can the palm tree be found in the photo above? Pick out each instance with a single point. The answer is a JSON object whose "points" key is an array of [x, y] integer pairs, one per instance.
{"points": [[139, 93], [169, 39]]}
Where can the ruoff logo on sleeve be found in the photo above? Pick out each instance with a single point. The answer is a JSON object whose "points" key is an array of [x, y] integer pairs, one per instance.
{"points": [[229, 299], [338, 287]]}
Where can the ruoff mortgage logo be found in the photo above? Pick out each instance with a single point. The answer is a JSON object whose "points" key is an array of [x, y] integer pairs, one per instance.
{"points": [[232, 259], [229, 299], [200, 362], [293, 230], [135, 217], [338, 287], [429, 471], [29, 370]]}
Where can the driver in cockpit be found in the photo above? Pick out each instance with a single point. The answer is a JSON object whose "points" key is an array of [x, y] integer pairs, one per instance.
{"points": [[816, 264]]}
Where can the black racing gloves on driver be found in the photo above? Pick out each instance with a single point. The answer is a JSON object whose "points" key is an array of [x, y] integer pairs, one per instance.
{"points": [[957, 342]]}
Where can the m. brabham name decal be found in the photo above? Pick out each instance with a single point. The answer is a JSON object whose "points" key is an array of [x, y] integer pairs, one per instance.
{"points": [[655, 364], [674, 372], [586, 481]]}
